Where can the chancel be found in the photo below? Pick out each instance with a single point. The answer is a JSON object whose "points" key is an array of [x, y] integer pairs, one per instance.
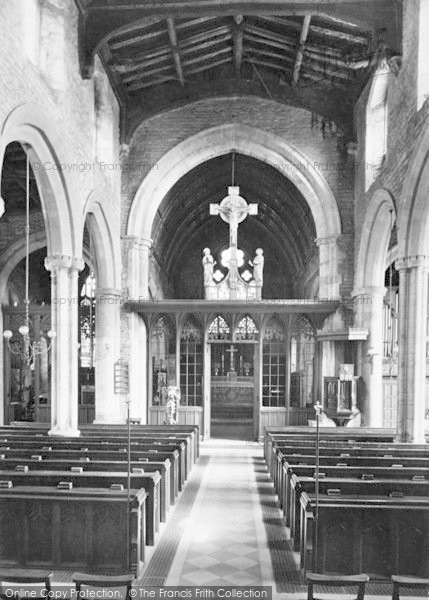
{"points": [[214, 273]]}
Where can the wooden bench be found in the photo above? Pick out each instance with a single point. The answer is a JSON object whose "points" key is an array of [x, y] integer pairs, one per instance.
{"points": [[80, 528], [350, 487], [10, 464], [28, 580], [379, 535], [84, 456], [149, 482], [301, 470], [103, 581], [413, 583], [358, 581]]}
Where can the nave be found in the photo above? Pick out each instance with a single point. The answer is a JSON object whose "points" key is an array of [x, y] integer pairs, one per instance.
{"points": [[228, 526]]}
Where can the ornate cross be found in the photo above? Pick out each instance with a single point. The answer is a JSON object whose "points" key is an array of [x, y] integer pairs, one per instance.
{"points": [[233, 210]]}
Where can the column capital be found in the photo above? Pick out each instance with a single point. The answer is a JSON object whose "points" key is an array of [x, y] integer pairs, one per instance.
{"points": [[412, 262], [137, 242], [329, 239], [369, 290], [62, 261]]}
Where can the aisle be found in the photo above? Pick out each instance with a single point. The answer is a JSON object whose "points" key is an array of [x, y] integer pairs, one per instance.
{"points": [[224, 540]]}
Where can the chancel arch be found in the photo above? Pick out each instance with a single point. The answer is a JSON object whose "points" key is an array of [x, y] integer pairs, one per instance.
{"points": [[260, 145]]}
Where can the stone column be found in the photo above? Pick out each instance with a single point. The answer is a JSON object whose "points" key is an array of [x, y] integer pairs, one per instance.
{"points": [[107, 334], [138, 289], [413, 298], [368, 306], [329, 278], [64, 369]]}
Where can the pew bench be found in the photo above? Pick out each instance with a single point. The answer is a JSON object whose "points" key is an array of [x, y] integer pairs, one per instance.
{"points": [[31, 581], [82, 528], [149, 482], [83, 457], [103, 581], [11, 464], [350, 487], [413, 583], [358, 581], [377, 535]]}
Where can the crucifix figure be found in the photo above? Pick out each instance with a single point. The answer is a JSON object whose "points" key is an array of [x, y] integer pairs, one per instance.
{"points": [[233, 210], [231, 351]]}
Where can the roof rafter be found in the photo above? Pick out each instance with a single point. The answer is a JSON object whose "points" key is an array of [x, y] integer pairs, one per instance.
{"points": [[175, 50], [238, 43], [300, 54]]}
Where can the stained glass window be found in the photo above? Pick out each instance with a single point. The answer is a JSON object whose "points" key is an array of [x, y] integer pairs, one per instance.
{"points": [[87, 322]]}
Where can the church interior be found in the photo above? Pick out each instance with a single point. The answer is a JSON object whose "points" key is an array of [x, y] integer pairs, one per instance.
{"points": [[214, 271]]}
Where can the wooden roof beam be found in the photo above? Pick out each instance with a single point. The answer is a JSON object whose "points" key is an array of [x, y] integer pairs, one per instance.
{"points": [[211, 65], [207, 56], [300, 54], [238, 44], [139, 85], [270, 35], [268, 53], [281, 46], [147, 73], [175, 50], [339, 35]]}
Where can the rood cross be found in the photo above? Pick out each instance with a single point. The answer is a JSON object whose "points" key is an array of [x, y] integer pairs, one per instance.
{"points": [[233, 210]]}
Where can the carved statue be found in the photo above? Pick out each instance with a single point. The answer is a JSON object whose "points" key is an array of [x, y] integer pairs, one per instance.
{"points": [[208, 264], [258, 267]]}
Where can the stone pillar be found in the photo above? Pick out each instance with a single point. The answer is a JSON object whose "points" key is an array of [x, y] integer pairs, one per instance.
{"points": [[107, 334], [329, 278], [2, 375], [413, 298], [64, 370], [368, 306], [138, 289]]}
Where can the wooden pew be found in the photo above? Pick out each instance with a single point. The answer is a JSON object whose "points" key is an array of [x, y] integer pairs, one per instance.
{"points": [[34, 464], [26, 441], [390, 460], [81, 528], [84, 456], [301, 470], [379, 535], [347, 486], [91, 479], [116, 430], [337, 433], [60, 445]]}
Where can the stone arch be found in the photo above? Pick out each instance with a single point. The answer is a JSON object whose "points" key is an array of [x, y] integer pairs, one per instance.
{"points": [[250, 141], [106, 257], [29, 125], [374, 241], [413, 211], [13, 255]]}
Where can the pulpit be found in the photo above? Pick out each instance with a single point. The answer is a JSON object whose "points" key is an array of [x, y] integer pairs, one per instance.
{"points": [[340, 396]]}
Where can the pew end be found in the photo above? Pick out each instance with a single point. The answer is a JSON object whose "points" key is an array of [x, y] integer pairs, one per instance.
{"points": [[23, 577], [103, 581], [406, 581], [359, 581]]}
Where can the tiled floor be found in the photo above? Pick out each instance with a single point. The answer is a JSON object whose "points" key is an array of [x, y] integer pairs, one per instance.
{"points": [[224, 541]]}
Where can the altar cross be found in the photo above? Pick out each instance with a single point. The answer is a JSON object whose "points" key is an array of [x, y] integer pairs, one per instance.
{"points": [[231, 351]]}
